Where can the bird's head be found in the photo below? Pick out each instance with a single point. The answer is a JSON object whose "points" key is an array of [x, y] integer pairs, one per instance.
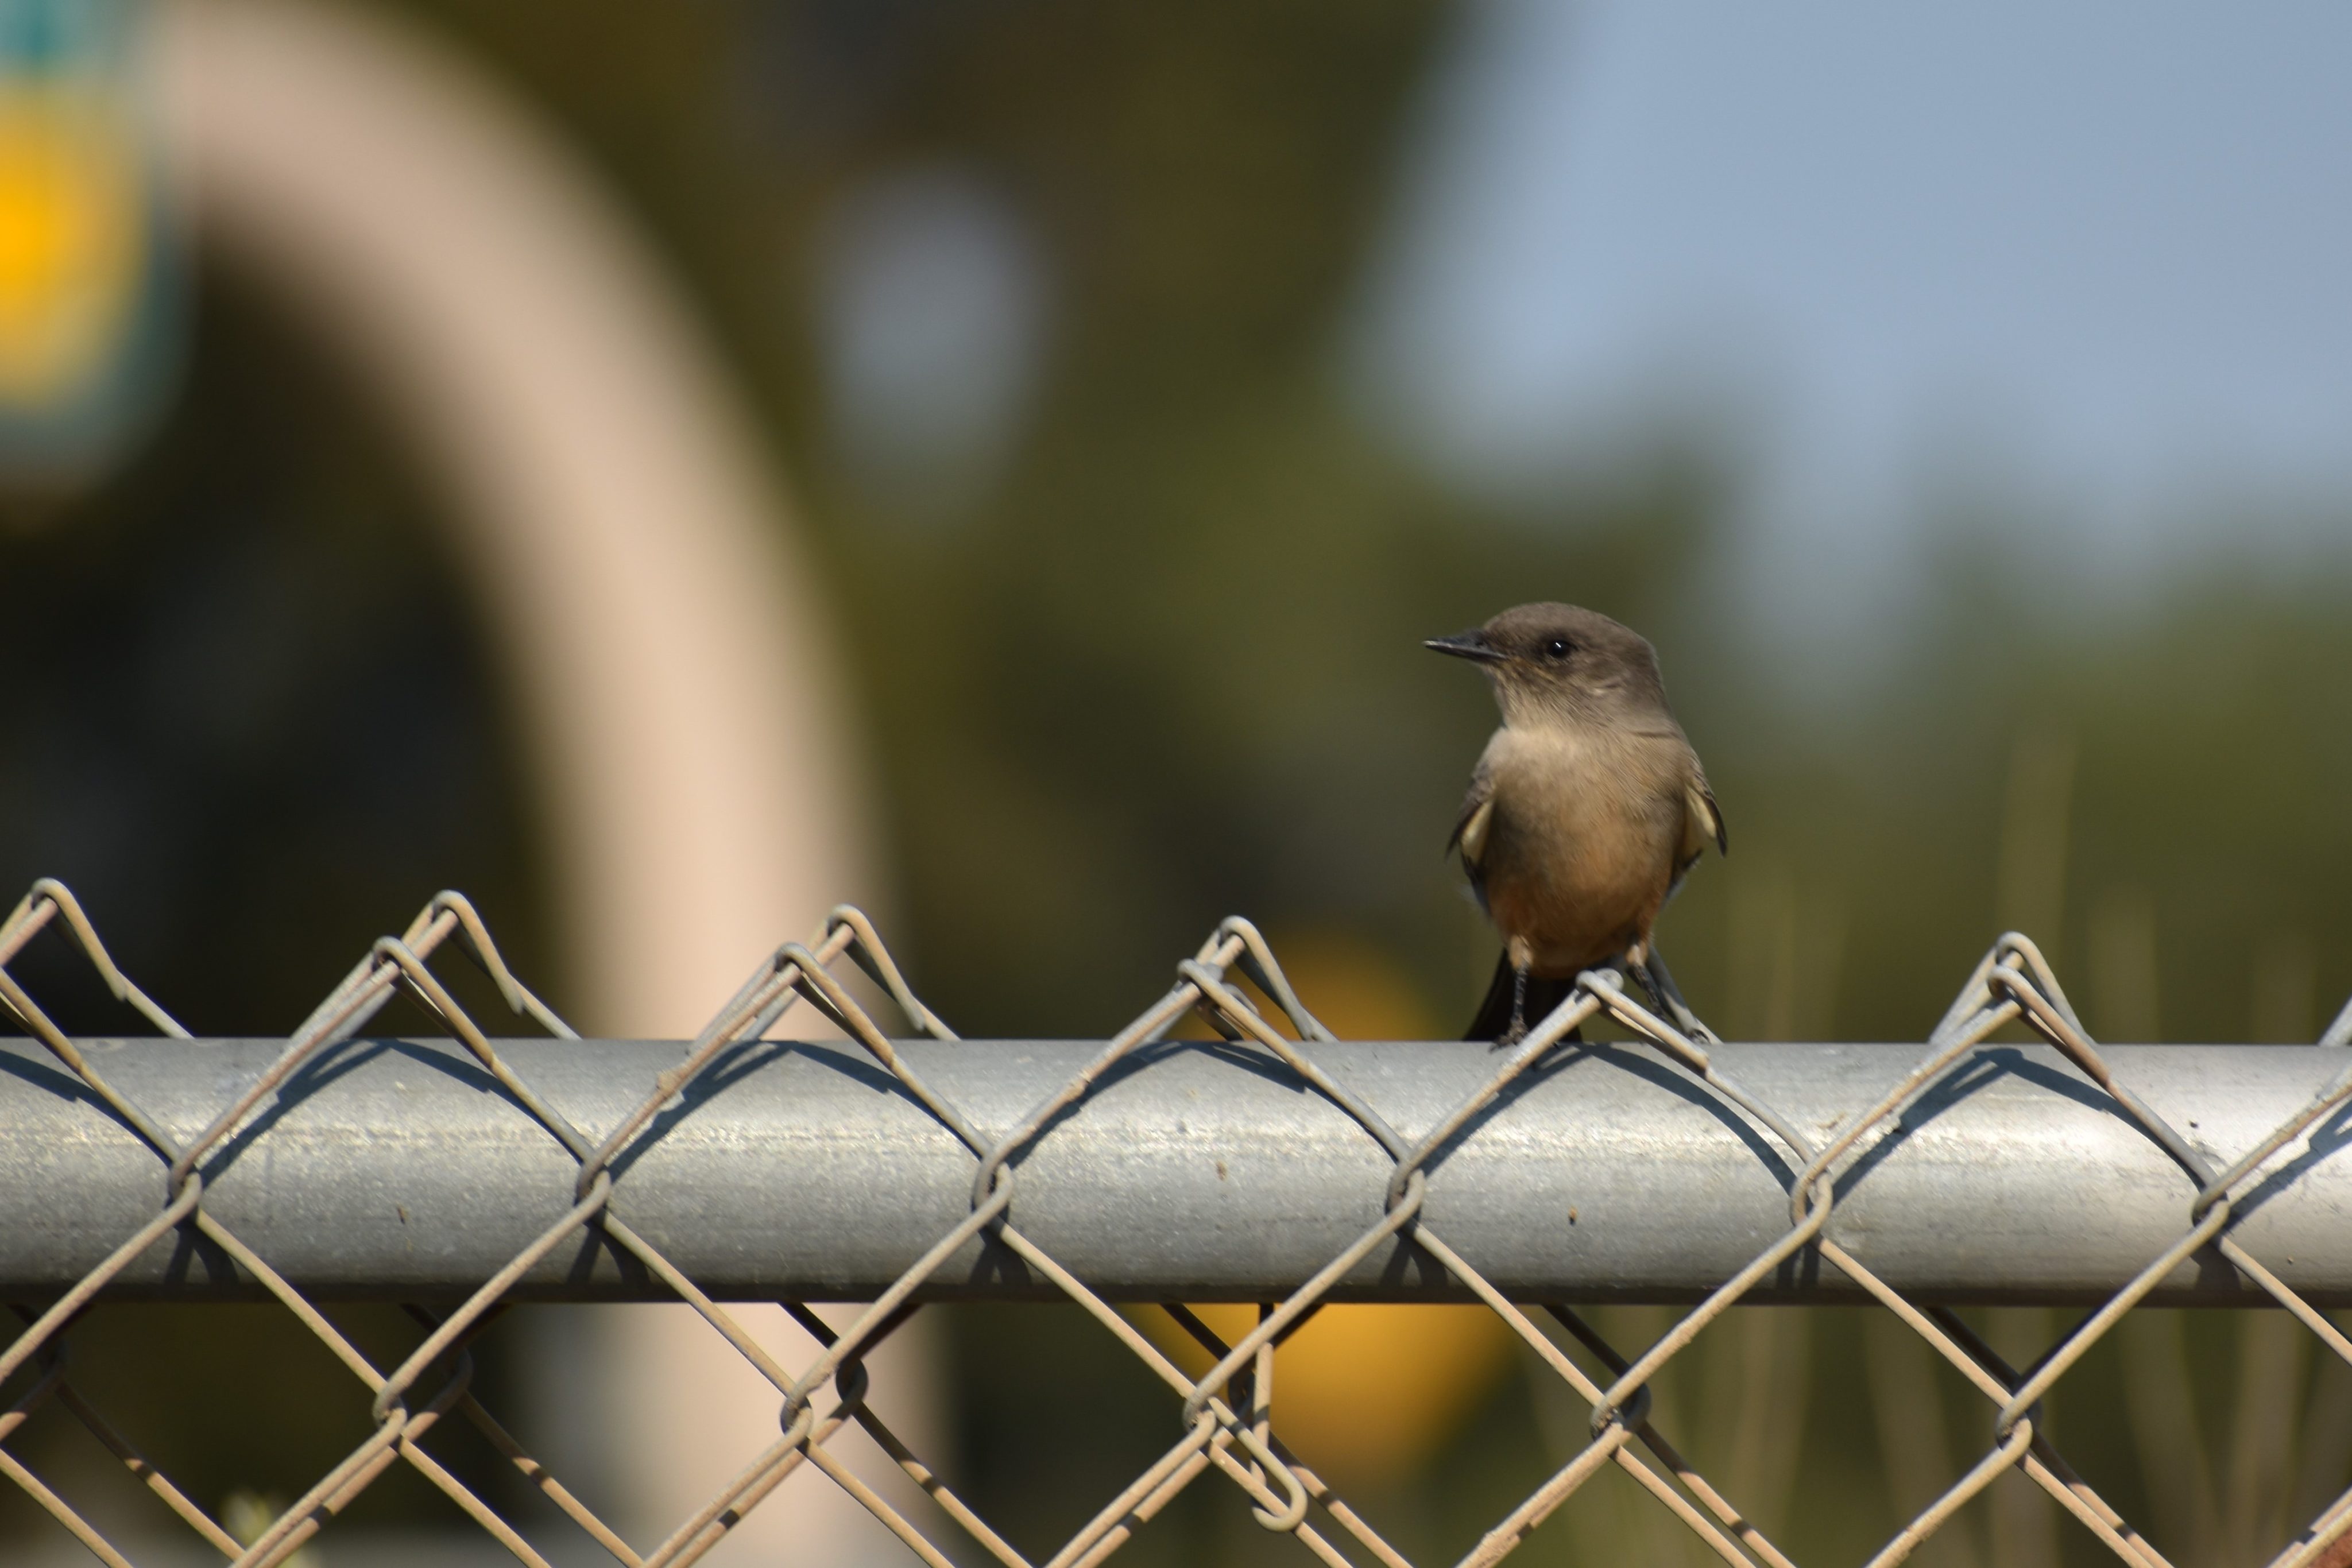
{"points": [[1561, 659]]}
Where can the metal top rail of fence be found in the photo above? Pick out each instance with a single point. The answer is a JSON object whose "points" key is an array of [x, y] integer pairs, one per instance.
{"points": [[1272, 1164]]}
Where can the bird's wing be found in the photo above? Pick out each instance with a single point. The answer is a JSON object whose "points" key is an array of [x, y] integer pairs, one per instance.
{"points": [[1477, 815], [1702, 820]]}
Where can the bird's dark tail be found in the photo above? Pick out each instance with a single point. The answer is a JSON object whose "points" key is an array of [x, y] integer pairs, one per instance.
{"points": [[1493, 1020]]}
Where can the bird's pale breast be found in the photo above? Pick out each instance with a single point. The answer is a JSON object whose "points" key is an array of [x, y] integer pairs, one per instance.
{"points": [[1583, 845]]}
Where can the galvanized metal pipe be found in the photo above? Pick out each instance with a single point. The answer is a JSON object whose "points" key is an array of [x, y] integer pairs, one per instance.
{"points": [[398, 1169]]}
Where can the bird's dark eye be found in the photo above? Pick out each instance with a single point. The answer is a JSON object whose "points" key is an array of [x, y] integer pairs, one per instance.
{"points": [[1558, 648]]}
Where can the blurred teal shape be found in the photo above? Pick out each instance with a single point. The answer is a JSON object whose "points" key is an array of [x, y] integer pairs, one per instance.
{"points": [[89, 299]]}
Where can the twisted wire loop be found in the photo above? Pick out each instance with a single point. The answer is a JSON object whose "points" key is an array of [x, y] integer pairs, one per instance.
{"points": [[397, 963], [1227, 1418]]}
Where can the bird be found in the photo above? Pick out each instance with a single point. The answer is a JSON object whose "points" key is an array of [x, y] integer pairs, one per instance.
{"points": [[1586, 811]]}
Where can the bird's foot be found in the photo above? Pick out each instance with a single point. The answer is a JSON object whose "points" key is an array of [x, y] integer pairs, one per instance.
{"points": [[1651, 988]]}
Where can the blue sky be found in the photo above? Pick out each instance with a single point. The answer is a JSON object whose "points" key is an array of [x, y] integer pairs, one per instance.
{"points": [[2093, 257]]}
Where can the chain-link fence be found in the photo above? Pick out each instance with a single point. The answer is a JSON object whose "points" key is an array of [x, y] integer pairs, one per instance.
{"points": [[1272, 1163]]}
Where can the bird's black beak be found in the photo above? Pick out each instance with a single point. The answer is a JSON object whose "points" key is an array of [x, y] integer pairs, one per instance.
{"points": [[1470, 644]]}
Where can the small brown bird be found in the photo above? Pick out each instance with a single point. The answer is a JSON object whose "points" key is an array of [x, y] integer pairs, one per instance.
{"points": [[1587, 810]]}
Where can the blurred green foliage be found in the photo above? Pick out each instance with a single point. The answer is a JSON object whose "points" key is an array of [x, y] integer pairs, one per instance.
{"points": [[246, 712], [1167, 669]]}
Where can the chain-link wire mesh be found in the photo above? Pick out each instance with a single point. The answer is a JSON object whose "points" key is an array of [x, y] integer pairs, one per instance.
{"points": [[1229, 1419]]}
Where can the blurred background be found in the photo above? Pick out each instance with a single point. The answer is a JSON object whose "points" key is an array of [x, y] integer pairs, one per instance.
{"points": [[665, 469]]}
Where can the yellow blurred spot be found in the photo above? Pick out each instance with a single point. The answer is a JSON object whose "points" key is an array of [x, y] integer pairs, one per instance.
{"points": [[1362, 1394], [71, 237], [1356, 989]]}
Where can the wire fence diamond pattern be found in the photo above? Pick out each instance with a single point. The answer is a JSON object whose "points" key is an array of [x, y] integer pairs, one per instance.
{"points": [[1228, 1416]]}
